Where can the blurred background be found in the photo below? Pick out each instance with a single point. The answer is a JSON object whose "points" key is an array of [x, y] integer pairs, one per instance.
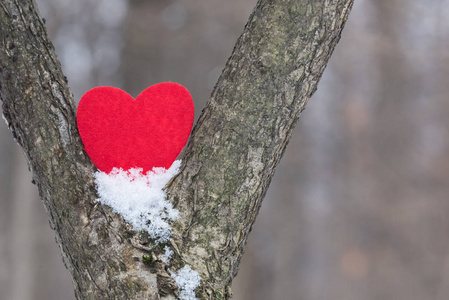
{"points": [[359, 205]]}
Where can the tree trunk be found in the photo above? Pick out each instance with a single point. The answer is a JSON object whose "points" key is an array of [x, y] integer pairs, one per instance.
{"points": [[234, 148]]}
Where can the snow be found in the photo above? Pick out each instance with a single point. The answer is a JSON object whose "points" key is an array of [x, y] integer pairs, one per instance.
{"points": [[187, 280], [139, 198], [166, 258]]}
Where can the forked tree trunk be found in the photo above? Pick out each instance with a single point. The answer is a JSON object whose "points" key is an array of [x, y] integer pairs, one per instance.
{"points": [[230, 160]]}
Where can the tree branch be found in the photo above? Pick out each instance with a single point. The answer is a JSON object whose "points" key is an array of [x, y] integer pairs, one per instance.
{"points": [[232, 155], [245, 127], [40, 111]]}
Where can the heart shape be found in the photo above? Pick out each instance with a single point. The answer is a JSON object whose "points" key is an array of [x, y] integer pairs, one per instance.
{"points": [[149, 131]]}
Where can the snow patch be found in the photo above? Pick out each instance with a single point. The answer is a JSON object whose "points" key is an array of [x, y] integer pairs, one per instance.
{"points": [[187, 280], [166, 258], [139, 198]]}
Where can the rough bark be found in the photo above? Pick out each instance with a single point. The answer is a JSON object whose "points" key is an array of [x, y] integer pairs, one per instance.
{"points": [[245, 127], [234, 149]]}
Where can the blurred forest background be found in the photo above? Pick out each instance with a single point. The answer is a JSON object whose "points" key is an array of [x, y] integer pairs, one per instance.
{"points": [[359, 206]]}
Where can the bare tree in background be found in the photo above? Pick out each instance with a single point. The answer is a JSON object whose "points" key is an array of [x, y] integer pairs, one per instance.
{"points": [[234, 149]]}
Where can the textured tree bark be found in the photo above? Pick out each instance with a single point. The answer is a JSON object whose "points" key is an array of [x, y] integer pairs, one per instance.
{"points": [[231, 157], [244, 130]]}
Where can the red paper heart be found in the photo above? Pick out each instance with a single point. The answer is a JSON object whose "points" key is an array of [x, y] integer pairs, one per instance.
{"points": [[146, 132]]}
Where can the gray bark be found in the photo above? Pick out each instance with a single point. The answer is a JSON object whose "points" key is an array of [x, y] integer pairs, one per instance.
{"points": [[231, 157]]}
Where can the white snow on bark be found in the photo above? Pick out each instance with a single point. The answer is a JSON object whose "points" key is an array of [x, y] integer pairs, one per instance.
{"points": [[139, 198]]}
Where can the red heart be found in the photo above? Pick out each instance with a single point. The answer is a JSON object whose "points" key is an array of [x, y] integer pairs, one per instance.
{"points": [[146, 132]]}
